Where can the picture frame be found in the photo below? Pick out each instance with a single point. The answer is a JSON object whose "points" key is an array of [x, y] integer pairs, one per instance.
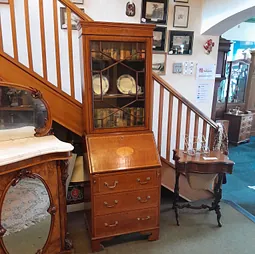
{"points": [[180, 42], [4, 1], [63, 18], [182, 1], [159, 62], [77, 1], [154, 11], [159, 39], [181, 16]]}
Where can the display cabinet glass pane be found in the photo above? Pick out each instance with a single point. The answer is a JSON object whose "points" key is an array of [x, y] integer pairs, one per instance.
{"points": [[222, 91], [238, 82], [118, 83]]}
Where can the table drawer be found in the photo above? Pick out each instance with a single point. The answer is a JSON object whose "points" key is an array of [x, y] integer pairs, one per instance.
{"points": [[118, 202], [129, 181], [120, 223]]}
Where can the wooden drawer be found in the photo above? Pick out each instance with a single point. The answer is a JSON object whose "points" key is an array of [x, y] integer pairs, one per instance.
{"points": [[246, 124], [118, 202], [120, 223], [247, 118], [244, 133], [128, 181]]}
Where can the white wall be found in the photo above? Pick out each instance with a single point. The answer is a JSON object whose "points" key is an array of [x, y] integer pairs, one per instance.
{"points": [[241, 32], [111, 10], [226, 13]]}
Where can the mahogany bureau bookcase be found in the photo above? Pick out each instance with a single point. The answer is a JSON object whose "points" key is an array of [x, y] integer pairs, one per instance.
{"points": [[123, 161]]}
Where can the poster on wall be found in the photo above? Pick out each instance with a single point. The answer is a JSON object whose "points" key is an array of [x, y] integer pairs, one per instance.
{"points": [[206, 71], [202, 93]]}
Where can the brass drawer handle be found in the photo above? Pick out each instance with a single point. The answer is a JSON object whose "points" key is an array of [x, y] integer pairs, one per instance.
{"points": [[146, 218], [139, 180], [143, 201], [112, 225], [110, 206], [112, 186]]}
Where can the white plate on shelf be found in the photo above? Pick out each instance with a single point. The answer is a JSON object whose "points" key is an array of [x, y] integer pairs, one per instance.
{"points": [[97, 85], [127, 85]]}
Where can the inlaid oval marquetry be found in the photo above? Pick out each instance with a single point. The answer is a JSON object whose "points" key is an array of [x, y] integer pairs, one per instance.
{"points": [[25, 217], [125, 151]]}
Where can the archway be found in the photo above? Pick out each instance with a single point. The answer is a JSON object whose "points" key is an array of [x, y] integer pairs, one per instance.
{"points": [[220, 16]]}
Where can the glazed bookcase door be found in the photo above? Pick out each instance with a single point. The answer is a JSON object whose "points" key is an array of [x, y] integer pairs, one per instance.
{"points": [[118, 82]]}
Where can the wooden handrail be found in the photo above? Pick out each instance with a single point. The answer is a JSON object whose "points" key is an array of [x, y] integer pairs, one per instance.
{"points": [[189, 105], [76, 10]]}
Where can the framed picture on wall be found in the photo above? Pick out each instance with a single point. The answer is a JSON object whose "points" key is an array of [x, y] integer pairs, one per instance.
{"points": [[154, 11], [159, 39], [159, 63], [182, 1], [181, 16], [4, 1], [77, 1], [63, 18], [180, 42]]}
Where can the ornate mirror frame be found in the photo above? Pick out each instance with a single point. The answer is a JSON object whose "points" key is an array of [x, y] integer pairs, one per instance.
{"points": [[51, 210], [36, 94], [51, 169]]}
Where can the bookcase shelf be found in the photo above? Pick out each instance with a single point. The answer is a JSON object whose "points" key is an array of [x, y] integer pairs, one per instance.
{"points": [[115, 96]]}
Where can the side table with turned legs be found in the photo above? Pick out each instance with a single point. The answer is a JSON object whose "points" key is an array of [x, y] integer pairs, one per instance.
{"points": [[201, 164]]}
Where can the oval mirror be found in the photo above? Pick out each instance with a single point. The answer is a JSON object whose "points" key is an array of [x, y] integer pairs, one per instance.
{"points": [[25, 217], [21, 108]]}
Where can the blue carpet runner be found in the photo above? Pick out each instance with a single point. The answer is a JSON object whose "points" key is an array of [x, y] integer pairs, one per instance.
{"points": [[240, 187]]}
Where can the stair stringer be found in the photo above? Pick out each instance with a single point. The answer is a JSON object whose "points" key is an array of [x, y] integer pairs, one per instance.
{"points": [[64, 109]]}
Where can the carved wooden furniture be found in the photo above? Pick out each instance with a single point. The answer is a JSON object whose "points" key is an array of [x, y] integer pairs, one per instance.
{"points": [[116, 57], [122, 157], [232, 91], [25, 155], [218, 108], [185, 164], [239, 127], [125, 186]]}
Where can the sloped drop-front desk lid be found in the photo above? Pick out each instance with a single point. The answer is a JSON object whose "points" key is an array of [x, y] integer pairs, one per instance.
{"points": [[113, 152]]}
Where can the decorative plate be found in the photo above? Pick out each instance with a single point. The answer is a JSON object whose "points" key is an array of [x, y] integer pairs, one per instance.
{"points": [[127, 85], [97, 86]]}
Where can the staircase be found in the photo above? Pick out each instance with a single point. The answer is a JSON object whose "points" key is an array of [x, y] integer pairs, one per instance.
{"points": [[44, 54], [174, 117]]}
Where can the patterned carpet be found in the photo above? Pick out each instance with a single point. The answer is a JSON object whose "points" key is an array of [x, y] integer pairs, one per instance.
{"points": [[24, 205], [240, 187]]}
